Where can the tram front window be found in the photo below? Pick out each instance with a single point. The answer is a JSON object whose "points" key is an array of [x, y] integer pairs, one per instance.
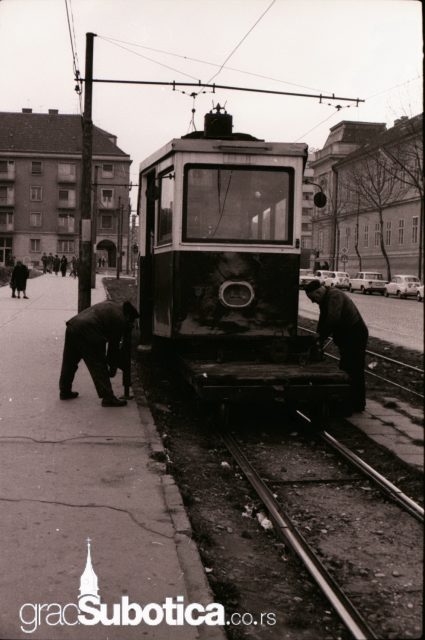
{"points": [[238, 204]]}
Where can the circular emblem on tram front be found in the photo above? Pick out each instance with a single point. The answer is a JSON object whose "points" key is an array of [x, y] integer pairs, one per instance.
{"points": [[236, 295]]}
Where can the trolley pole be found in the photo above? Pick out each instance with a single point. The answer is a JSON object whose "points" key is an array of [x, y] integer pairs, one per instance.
{"points": [[84, 270]]}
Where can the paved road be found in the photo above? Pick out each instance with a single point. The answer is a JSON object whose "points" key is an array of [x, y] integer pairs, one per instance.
{"points": [[398, 321]]}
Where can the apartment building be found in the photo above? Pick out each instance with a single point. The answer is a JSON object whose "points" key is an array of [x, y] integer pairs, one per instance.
{"points": [[40, 188], [373, 178]]}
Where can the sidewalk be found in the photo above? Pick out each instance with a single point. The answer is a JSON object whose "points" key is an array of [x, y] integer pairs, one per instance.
{"points": [[393, 425], [72, 471]]}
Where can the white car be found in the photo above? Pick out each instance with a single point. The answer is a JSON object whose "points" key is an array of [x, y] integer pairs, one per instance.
{"points": [[420, 293], [402, 286], [306, 276], [368, 282], [321, 275], [339, 279]]}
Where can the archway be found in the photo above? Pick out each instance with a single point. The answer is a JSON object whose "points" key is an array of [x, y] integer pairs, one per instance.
{"points": [[106, 252]]}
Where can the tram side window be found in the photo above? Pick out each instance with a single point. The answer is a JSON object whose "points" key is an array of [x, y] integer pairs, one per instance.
{"points": [[165, 209], [238, 204]]}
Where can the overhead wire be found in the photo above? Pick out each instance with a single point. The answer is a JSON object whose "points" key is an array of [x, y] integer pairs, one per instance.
{"points": [[213, 64], [73, 40], [140, 55], [242, 40]]}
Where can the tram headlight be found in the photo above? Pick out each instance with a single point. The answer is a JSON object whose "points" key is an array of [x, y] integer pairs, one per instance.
{"points": [[236, 295]]}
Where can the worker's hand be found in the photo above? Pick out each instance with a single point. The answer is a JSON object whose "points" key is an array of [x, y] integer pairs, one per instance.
{"points": [[112, 371]]}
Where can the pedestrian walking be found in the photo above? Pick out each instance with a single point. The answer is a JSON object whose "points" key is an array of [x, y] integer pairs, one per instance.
{"points": [[94, 335], [74, 267], [44, 261], [18, 280], [50, 262], [56, 264], [63, 265], [340, 318]]}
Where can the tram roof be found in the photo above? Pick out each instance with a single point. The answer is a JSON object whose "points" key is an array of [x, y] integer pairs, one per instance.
{"points": [[215, 145]]}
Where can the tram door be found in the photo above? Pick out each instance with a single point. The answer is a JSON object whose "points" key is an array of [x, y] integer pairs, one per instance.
{"points": [[146, 264]]}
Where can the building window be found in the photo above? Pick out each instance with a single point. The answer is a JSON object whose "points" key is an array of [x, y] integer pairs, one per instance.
{"points": [[6, 221], [356, 235], [66, 246], [66, 170], [107, 170], [35, 219], [36, 167], [66, 223], [388, 232], [106, 222], [35, 245], [320, 240], [366, 235], [3, 166], [67, 198], [107, 198], [3, 194], [401, 232], [347, 237], [415, 220], [377, 233], [36, 194]]}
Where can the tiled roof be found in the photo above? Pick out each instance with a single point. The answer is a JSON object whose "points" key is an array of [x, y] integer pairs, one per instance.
{"points": [[404, 128], [51, 133], [354, 132]]}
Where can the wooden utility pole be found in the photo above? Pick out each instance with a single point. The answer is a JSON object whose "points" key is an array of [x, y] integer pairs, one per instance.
{"points": [[119, 237], [94, 229], [84, 269]]}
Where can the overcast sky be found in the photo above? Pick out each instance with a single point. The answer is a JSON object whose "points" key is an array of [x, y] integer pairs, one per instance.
{"points": [[370, 49]]}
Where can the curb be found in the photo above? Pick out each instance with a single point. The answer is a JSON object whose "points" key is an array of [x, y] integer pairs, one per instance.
{"points": [[197, 585]]}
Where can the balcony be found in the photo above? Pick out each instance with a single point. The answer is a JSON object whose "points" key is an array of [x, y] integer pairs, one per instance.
{"points": [[67, 174], [7, 196], [6, 222], [7, 171], [66, 224]]}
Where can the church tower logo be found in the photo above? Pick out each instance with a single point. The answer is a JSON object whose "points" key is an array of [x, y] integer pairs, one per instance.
{"points": [[88, 580]]}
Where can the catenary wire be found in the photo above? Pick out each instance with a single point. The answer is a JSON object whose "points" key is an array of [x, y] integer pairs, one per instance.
{"points": [[72, 38], [242, 40], [212, 64]]}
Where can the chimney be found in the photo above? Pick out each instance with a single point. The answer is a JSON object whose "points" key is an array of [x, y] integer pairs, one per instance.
{"points": [[25, 110], [400, 120], [53, 112]]}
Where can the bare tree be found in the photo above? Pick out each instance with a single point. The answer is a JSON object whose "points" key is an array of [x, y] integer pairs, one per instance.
{"points": [[404, 161], [377, 187]]}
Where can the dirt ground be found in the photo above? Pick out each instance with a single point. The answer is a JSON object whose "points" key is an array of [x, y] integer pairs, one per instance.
{"points": [[250, 569]]}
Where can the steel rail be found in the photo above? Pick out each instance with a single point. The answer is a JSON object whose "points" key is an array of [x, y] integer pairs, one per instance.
{"points": [[343, 606], [387, 487], [375, 375]]}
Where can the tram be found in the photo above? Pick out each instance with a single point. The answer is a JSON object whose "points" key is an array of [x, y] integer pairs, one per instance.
{"points": [[220, 234]]}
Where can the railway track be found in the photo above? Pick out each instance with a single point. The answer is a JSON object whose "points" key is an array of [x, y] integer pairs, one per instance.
{"points": [[417, 372], [348, 607]]}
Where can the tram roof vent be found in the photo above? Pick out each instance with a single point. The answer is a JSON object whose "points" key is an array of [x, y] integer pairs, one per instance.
{"points": [[218, 123]]}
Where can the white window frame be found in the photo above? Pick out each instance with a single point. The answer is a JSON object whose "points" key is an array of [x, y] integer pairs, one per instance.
{"points": [[401, 231], [35, 248], [35, 213], [36, 190], [415, 229]]}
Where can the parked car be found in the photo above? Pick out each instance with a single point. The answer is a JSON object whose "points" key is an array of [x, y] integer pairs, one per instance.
{"points": [[368, 282], [402, 286], [339, 279], [306, 276], [321, 275], [420, 293]]}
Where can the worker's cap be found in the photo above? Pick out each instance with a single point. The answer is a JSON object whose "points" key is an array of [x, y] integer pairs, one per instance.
{"points": [[312, 286], [130, 311]]}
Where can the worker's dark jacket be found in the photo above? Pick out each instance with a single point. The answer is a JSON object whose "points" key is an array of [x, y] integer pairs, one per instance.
{"points": [[339, 317], [101, 324]]}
